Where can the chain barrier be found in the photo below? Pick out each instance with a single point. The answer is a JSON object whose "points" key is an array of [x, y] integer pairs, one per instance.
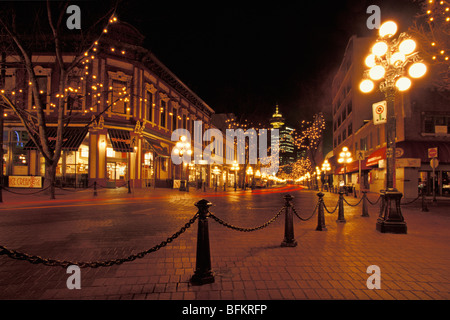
{"points": [[373, 203], [331, 212], [226, 224], [94, 264], [353, 205], [409, 202], [303, 219], [27, 193]]}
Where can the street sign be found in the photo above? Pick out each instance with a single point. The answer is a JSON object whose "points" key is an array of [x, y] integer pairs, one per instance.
{"points": [[379, 112], [360, 154], [434, 163], [432, 152]]}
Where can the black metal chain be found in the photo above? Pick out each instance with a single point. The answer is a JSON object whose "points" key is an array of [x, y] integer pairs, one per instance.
{"points": [[335, 208], [353, 205], [373, 203], [409, 202], [95, 264], [220, 221], [303, 219], [26, 193]]}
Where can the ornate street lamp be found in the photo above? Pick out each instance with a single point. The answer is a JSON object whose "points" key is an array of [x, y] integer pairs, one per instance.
{"points": [[235, 167], [345, 157], [249, 173], [182, 147], [389, 61], [325, 168], [318, 177], [216, 172]]}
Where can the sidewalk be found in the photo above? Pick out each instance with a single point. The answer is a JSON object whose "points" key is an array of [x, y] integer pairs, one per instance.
{"points": [[327, 265]]}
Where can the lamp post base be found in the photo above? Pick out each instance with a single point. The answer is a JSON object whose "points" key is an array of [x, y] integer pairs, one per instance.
{"points": [[391, 218], [391, 227]]}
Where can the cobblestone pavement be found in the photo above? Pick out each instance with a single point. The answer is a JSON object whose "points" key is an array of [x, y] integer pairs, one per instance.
{"points": [[328, 264]]}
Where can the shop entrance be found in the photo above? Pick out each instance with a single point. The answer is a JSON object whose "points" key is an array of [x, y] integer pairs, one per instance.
{"points": [[441, 182], [116, 171]]}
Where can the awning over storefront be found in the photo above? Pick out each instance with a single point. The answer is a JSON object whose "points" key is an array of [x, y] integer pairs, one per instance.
{"points": [[374, 157], [352, 167], [120, 140], [72, 138], [158, 148], [413, 150]]}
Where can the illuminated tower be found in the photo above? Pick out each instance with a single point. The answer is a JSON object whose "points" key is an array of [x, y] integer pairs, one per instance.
{"points": [[286, 138], [277, 120]]}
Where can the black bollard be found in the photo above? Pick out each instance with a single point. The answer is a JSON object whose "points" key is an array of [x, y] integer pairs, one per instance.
{"points": [[95, 188], [203, 273], [129, 187], [365, 209], [341, 217], [289, 240], [320, 216]]}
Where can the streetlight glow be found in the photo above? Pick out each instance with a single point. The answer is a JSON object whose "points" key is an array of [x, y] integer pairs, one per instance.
{"points": [[417, 70], [380, 48], [398, 56], [370, 60], [377, 72], [388, 29], [366, 86], [403, 83], [407, 46]]}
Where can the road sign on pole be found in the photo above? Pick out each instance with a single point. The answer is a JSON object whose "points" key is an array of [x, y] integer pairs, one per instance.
{"points": [[379, 112], [434, 163], [432, 152]]}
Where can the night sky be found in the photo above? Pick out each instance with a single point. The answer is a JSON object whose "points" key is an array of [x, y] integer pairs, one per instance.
{"points": [[245, 57]]}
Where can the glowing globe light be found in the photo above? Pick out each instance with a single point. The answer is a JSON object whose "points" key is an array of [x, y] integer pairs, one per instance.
{"points": [[417, 70], [380, 48], [407, 46], [388, 29], [403, 83], [398, 56], [366, 86], [376, 73], [370, 61]]}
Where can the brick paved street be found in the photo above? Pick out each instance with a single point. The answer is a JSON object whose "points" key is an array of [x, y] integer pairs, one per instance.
{"points": [[247, 265]]}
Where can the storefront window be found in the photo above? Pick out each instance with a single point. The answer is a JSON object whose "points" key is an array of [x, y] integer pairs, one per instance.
{"points": [[147, 169], [20, 158], [116, 164]]}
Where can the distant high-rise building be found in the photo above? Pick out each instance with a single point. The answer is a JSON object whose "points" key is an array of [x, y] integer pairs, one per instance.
{"points": [[286, 134], [287, 147]]}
